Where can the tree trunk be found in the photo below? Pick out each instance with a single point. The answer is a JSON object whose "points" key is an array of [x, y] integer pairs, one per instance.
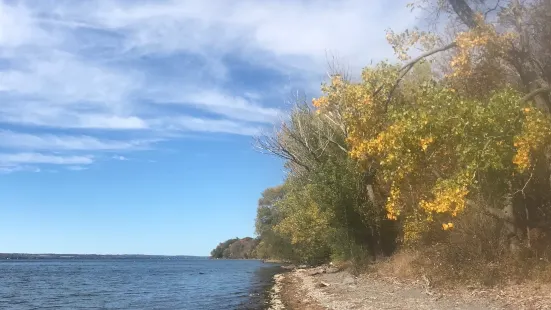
{"points": [[511, 225], [464, 11], [533, 81]]}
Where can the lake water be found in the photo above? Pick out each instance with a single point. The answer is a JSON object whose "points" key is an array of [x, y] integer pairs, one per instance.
{"points": [[135, 284]]}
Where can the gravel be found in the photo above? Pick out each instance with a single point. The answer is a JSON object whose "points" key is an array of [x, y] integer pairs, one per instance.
{"points": [[302, 289]]}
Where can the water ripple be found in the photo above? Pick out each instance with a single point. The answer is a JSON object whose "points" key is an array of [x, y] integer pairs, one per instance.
{"points": [[137, 284]]}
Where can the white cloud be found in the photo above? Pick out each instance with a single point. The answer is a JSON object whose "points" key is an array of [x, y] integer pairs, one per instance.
{"points": [[77, 168], [15, 140], [9, 168], [292, 36], [63, 78], [109, 122], [282, 28], [216, 101], [42, 114], [152, 68], [119, 157], [14, 159], [17, 28], [187, 123]]}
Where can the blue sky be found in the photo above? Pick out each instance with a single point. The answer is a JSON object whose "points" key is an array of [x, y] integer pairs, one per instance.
{"points": [[126, 126]]}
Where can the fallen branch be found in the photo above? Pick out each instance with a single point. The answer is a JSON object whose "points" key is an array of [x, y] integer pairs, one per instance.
{"points": [[493, 212]]}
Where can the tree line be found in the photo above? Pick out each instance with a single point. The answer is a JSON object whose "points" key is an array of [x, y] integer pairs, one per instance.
{"points": [[446, 153], [236, 249]]}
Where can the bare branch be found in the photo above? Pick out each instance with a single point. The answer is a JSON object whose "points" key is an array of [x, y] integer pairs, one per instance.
{"points": [[415, 60], [524, 187], [339, 125], [272, 146], [342, 148], [302, 140], [407, 67], [492, 9]]}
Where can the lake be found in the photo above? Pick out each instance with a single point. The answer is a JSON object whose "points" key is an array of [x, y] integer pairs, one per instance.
{"points": [[191, 283]]}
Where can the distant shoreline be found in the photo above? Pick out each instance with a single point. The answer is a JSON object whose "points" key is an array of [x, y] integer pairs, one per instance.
{"points": [[10, 256], [16, 256], [267, 261]]}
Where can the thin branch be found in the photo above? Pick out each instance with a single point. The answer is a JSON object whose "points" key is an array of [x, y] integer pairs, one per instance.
{"points": [[270, 145], [329, 137], [302, 141], [492, 9], [340, 126], [342, 148], [524, 187]]}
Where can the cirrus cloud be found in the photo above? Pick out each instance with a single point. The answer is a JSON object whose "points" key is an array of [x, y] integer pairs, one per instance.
{"points": [[84, 78]]}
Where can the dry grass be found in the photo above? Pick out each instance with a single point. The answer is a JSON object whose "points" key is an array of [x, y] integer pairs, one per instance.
{"points": [[443, 271], [400, 265], [475, 253]]}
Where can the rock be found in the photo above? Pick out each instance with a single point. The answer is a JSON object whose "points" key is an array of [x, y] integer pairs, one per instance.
{"points": [[348, 280], [324, 284], [332, 270], [316, 271]]}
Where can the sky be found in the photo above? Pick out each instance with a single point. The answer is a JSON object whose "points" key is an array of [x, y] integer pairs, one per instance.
{"points": [[126, 127]]}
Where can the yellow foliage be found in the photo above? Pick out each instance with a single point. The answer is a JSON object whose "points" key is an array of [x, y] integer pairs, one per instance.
{"points": [[392, 202], [478, 43], [449, 196], [428, 152], [535, 136], [425, 142], [428, 143]]}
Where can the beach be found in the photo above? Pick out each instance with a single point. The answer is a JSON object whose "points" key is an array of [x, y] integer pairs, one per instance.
{"points": [[323, 288]]}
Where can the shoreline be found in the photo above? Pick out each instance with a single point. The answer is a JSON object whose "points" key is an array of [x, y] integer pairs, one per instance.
{"points": [[324, 288], [274, 295], [290, 290], [266, 261]]}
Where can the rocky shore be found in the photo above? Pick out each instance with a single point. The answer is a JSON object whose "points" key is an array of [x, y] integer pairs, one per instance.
{"points": [[330, 289]]}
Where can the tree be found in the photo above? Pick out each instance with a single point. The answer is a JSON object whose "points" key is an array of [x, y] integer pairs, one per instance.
{"points": [[235, 248], [501, 45], [430, 150], [324, 189], [513, 33], [268, 216], [461, 131], [218, 252]]}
